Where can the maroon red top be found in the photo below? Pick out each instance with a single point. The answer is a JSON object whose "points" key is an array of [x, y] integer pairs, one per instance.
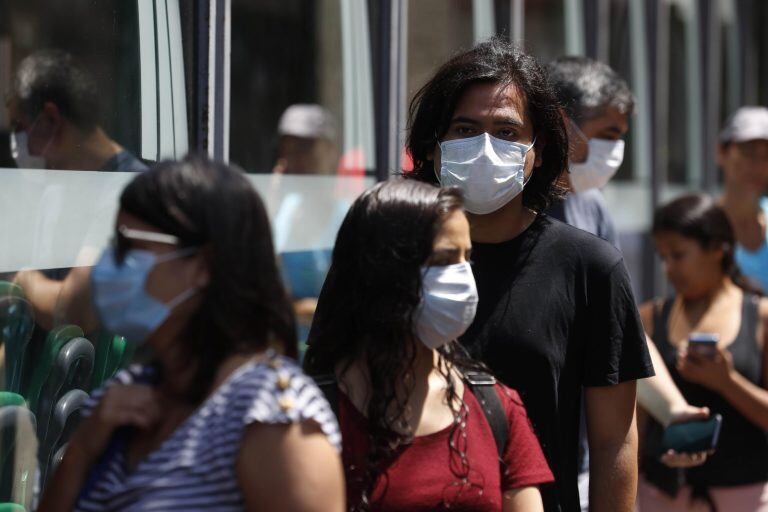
{"points": [[424, 476]]}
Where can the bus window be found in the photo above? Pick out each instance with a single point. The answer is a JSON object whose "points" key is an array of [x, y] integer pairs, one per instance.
{"points": [[302, 124], [94, 92]]}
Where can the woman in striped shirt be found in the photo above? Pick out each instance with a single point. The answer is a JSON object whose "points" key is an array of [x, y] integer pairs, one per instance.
{"points": [[218, 421]]}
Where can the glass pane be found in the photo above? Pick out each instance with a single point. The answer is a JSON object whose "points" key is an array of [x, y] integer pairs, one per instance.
{"points": [[677, 145], [450, 29], [545, 29], [619, 59], [302, 105], [302, 123], [104, 95]]}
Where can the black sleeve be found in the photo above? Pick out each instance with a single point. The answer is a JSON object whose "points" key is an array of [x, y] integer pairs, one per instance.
{"points": [[616, 349]]}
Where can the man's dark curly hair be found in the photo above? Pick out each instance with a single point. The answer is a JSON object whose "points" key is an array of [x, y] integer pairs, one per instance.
{"points": [[493, 61]]}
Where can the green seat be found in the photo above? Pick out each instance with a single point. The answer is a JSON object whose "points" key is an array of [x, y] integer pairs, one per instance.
{"points": [[56, 339], [63, 421], [112, 353], [16, 327], [11, 507], [9, 398], [18, 455], [71, 370]]}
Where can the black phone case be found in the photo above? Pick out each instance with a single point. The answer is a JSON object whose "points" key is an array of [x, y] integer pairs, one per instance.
{"points": [[693, 436]]}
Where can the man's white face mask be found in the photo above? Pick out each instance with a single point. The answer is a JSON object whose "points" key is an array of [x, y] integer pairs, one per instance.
{"points": [[604, 158], [489, 171], [20, 150]]}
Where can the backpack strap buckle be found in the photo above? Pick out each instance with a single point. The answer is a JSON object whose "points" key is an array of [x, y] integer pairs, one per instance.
{"points": [[479, 379]]}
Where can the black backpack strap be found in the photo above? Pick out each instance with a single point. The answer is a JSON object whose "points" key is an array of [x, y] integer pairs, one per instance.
{"points": [[327, 384], [483, 386]]}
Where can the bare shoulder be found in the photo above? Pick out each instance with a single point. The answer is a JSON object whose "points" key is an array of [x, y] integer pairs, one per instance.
{"points": [[762, 308], [646, 315], [305, 473]]}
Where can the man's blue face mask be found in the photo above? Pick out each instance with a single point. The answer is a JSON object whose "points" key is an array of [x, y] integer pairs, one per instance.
{"points": [[120, 296]]}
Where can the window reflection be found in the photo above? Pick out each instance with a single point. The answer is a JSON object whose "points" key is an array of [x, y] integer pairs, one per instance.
{"points": [[545, 28], [302, 124], [302, 105], [80, 94]]}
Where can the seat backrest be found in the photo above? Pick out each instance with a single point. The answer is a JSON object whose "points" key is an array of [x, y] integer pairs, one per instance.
{"points": [[66, 415], [18, 455], [16, 327], [71, 369], [112, 353], [11, 507], [55, 340], [9, 398]]}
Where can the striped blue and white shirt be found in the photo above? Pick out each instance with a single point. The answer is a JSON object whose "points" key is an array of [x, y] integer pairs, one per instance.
{"points": [[194, 469]]}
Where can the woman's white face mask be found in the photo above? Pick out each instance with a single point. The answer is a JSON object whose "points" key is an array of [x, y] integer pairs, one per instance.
{"points": [[490, 172], [448, 304]]}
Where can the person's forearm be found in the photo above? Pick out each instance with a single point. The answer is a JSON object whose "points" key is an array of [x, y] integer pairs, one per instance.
{"points": [[613, 476], [42, 293], [62, 491], [749, 399], [659, 395]]}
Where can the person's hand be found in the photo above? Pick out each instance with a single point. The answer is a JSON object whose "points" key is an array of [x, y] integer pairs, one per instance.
{"points": [[305, 310], [713, 372], [122, 405], [674, 459]]}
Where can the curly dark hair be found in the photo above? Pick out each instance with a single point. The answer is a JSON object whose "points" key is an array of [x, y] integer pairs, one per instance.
{"points": [[245, 307], [493, 61], [367, 306]]}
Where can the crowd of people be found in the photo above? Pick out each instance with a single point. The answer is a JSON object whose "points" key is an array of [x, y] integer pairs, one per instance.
{"points": [[476, 344]]}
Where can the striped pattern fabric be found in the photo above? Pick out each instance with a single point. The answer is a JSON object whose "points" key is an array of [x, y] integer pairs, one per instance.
{"points": [[194, 469]]}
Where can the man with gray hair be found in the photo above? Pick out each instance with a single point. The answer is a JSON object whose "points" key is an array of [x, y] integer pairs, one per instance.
{"points": [[598, 103], [54, 112]]}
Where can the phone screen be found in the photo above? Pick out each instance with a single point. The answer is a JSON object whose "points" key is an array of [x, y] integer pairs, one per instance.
{"points": [[693, 436], [703, 343]]}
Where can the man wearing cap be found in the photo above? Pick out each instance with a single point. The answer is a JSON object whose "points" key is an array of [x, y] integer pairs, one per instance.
{"points": [[306, 143], [743, 156]]}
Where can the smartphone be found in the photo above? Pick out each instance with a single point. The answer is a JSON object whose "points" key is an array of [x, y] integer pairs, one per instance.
{"points": [[693, 436], [703, 343]]}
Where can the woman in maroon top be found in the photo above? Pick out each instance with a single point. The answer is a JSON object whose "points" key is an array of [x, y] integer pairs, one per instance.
{"points": [[399, 292]]}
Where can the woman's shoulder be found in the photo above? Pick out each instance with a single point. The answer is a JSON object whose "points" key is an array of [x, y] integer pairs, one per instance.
{"points": [[762, 307], [275, 390], [647, 311], [510, 400]]}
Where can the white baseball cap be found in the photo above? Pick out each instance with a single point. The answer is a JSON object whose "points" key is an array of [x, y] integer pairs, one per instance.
{"points": [[747, 123], [307, 120]]}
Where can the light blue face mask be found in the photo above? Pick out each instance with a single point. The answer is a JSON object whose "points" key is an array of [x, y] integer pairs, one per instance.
{"points": [[121, 299]]}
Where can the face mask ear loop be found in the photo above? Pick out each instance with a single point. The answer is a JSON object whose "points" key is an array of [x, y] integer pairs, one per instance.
{"points": [[580, 133], [176, 254], [182, 297], [439, 148], [525, 182]]}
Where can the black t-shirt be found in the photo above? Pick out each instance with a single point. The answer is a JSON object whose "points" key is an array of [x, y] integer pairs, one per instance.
{"points": [[556, 313]]}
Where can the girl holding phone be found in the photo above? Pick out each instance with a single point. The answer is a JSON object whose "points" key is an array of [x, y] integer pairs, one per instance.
{"points": [[696, 244]]}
